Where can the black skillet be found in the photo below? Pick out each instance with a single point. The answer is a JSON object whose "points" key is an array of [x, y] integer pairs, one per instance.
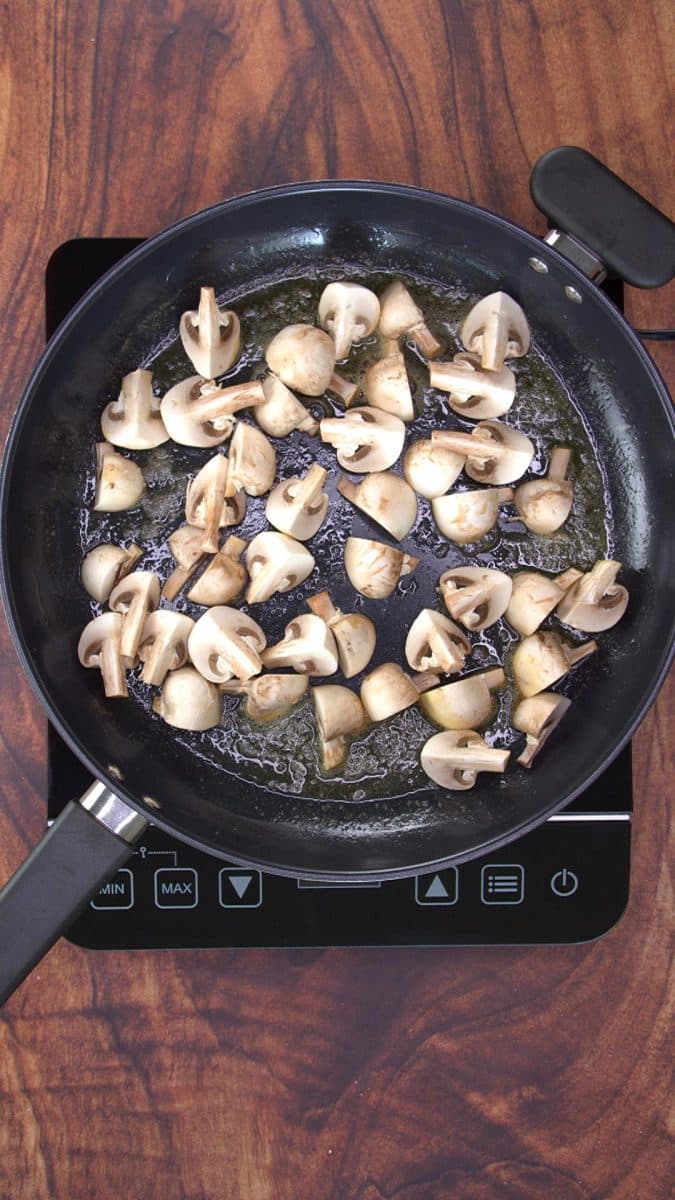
{"points": [[144, 772]]}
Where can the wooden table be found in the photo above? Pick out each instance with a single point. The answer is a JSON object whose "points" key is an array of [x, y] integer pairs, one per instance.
{"points": [[472, 1074]]}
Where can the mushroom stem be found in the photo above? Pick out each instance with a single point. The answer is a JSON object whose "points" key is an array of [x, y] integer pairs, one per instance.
{"points": [[308, 490], [470, 444], [494, 678], [574, 654], [322, 606], [597, 581], [158, 660], [214, 499], [112, 669], [568, 578], [347, 488], [215, 402], [558, 463], [466, 598], [480, 758], [424, 340], [134, 619], [344, 388], [423, 681], [178, 578]]}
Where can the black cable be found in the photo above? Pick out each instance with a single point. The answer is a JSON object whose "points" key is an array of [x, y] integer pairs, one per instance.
{"points": [[657, 335]]}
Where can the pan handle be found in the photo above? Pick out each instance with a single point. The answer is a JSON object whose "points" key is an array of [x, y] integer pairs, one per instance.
{"points": [[86, 844], [601, 224]]}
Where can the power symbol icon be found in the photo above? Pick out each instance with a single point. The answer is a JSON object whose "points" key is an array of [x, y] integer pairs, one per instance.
{"points": [[564, 882]]}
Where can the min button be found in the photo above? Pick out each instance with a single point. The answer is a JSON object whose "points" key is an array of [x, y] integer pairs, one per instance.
{"points": [[176, 887], [118, 892]]}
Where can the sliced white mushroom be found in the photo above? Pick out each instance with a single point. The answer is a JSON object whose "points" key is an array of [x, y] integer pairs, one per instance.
{"points": [[105, 565], [534, 596], [133, 420], [275, 563], [473, 392], [163, 644], [596, 601], [434, 643], [197, 412], [465, 704], [386, 386], [134, 597], [431, 469], [354, 634], [545, 504], [538, 717], [374, 569], [282, 411], [188, 701], [339, 715], [226, 643], [224, 578], [308, 646], [366, 439], [496, 328], [543, 658], [476, 596], [298, 506], [385, 498], [206, 505], [99, 646], [303, 357], [466, 516], [348, 312], [119, 481], [252, 462], [400, 315], [454, 758], [494, 452], [186, 544], [268, 696], [388, 690], [211, 336]]}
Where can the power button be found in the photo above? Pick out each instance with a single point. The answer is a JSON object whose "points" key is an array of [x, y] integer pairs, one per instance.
{"points": [[564, 882]]}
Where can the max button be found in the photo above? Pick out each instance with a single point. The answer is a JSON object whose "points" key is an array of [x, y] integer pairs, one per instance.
{"points": [[176, 887]]}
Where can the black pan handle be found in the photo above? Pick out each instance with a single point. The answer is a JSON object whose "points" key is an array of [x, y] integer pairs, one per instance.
{"points": [[86, 844], [582, 197]]}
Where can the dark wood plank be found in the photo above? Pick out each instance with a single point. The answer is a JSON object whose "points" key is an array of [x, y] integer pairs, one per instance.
{"points": [[421, 1075]]}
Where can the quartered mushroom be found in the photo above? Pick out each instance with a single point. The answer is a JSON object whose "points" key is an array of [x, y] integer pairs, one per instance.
{"points": [[473, 392], [282, 411], [252, 462], [211, 336], [275, 563], [388, 690], [297, 506], [543, 658], [493, 452], [385, 498], [454, 758], [366, 439], [308, 646], [225, 643], [119, 481], [476, 596], [496, 328], [431, 469], [537, 717], [534, 596], [196, 412], [186, 545], [207, 505], [99, 646], [268, 696], [374, 569], [348, 312], [466, 516], [133, 420], [386, 386], [545, 504], [354, 634], [303, 357], [465, 704], [163, 644], [595, 601], [435, 643], [339, 716], [134, 597], [105, 565], [400, 315], [224, 578], [188, 701]]}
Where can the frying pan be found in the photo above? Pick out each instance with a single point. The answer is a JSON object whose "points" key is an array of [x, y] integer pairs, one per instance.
{"points": [[145, 773]]}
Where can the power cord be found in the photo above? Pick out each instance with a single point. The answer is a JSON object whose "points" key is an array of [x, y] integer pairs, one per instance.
{"points": [[656, 335]]}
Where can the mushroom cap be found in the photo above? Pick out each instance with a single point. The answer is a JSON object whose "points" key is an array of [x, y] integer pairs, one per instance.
{"points": [[398, 311], [366, 439], [107, 627], [472, 392], [307, 646], [385, 498], [303, 357], [595, 602], [431, 469], [434, 643], [119, 481], [133, 420], [252, 461], [338, 711], [386, 386], [454, 758], [204, 490], [104, 566], [355, 639], [373, 568], [182, 425], [297, 506], [516, 453], [282, 411], [224, 578], [387, 690], [211, 336], [465, 704], [275, 563], [538, 716], [466, 516], [533, 597], [185, 544], [226, 642], [188, 701], [349, 312], [496, 328], [269, 696], [544, 504], [476, 596], [163, 643], [543, 658]]}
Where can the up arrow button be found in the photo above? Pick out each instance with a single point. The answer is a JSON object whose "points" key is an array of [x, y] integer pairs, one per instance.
{"points": [[441, 887]]}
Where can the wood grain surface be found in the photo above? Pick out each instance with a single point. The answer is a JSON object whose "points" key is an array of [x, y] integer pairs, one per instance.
{"points": [[501, 1074]]}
